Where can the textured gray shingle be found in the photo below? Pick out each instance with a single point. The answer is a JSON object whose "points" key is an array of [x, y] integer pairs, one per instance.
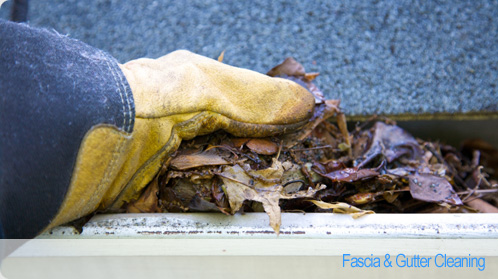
{"points": [[389, 57]]}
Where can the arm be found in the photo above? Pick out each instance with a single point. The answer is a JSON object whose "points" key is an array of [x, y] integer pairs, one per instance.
{"points": [[76, 140], [53, 91]]}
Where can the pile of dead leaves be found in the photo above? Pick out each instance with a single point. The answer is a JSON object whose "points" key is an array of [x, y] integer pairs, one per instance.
{"points": [[376, 167]]}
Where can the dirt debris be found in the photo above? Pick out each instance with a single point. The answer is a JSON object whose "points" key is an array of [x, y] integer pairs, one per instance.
{"points": [[324, 167]]}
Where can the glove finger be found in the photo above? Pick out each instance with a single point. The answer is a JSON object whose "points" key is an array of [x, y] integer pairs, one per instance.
{"points": [[193, 83]]}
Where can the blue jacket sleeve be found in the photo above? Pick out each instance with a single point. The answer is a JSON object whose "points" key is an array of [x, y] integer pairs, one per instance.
{"points": [[53, 90]]}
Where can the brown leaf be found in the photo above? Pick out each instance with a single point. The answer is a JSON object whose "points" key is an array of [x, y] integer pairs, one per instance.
{"points": [[222, 55], [239, 142], [334, 165], [311, 76], [431, 188], [389, 196], [262, 146], [183, 162], [293, 70], [148, 201], [344, 208], [361, 198], [289, 67]]}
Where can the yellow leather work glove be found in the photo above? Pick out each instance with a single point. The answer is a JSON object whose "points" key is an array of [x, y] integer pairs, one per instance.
{"points": [[178, 96]]}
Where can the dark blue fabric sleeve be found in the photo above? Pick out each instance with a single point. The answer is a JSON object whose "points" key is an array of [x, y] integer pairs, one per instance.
{"points": [[53, 90]]}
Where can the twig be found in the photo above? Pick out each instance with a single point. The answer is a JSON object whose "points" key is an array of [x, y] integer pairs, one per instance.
{"points": [[476, 157], [368, 159], [473, 191], [484, 180], [233, 179], [307, 175], [229, 149], [293, 156], [343, 127], [450, 167], [479, 168], [279, 149], [315, 148], [329, 127]]}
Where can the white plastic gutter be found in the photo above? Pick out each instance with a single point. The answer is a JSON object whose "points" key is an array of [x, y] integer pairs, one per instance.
{"points": [[294, 225]]}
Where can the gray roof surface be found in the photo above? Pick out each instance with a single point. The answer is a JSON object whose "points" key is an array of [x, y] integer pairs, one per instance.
{"points": [[387, 57]]}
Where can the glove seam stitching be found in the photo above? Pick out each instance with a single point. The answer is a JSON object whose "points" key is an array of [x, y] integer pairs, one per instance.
{"points": [[111, 167], [120, 85], [124, 125], [128, 98]]}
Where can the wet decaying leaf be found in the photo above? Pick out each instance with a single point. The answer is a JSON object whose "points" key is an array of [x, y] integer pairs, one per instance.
{"points": [[350, 175], [392, 142], [432, 188], [324, 167]]}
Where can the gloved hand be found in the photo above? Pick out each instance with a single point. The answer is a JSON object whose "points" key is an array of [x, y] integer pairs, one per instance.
{"points": [[178, 96]]}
